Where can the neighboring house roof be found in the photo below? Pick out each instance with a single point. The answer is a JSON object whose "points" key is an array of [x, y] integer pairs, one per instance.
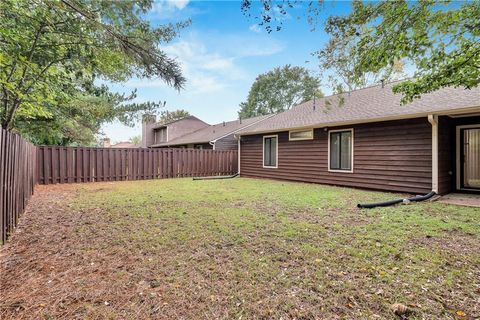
{"points": [[367, 105], [124, 144], [214, 132], [166, 124]]}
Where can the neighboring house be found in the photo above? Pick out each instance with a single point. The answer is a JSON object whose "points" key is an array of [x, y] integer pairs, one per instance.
{"points": [[157, 133], [366, 138], [218, 136], [123, 144]]}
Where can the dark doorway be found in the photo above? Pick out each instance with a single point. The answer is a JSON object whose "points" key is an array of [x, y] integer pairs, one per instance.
{"points": [[470, 158]]}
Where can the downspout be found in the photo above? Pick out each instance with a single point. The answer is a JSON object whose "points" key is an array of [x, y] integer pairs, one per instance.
{"points": [[433, 119], [238, 151], [223, 177]]}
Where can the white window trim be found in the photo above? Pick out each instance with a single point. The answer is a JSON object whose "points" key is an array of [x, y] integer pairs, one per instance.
{"points": [[299, 139], [263, 151], [353, 148]]}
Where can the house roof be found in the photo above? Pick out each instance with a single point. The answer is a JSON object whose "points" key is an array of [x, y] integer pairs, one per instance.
{"points": [[124, 144], [214, 132], [371, 104], [165, 124]]}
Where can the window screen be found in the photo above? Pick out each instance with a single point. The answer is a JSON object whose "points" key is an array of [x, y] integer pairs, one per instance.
{"points": [[270, 151], [341, 150]]}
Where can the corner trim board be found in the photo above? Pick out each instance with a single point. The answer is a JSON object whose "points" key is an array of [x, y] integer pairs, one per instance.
{"points": [[433, 119]]}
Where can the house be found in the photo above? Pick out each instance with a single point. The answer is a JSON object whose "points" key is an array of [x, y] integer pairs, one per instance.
{"points": [[218, 136], [159, 133], [366, 138]]}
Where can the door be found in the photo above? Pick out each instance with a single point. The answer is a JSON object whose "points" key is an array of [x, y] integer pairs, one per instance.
{"points": [[470, 158]]}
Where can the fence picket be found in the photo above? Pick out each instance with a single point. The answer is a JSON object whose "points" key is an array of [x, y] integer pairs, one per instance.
{"points": [[18, 176], [23, 166], [79, 164]]}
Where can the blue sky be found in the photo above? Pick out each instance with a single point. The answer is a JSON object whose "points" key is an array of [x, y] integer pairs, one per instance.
{"points": [[221, 54]]}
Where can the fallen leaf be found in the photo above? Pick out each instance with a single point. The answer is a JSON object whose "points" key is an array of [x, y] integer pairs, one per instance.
{"points": [[460, 313], [399, 309]]}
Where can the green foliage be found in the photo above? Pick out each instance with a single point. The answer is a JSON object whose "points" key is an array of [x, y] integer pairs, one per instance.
{"points": [[279, 90], [54, 53], [441, 40], [169, 116], [136, 140], [337, 64]]}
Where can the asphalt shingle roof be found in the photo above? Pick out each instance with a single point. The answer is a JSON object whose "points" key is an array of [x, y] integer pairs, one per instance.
{"points": [[164, 124], [213, 132], [365, 105]]}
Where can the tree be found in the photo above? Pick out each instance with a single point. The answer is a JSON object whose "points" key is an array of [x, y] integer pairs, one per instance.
{"points": [[279, 90], [337, 65], [169, 116], [52, 54], [137, 140], [441, 40]]}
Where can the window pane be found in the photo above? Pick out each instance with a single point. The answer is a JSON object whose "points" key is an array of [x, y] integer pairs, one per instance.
{"points": [[266, 152], [346, 150], [335, 150], [273, 153], [270, 152], [307, 134]]}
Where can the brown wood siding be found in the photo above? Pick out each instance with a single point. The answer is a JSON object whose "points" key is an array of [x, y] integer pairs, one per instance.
{"points": [[227, 143], [392, 156]]}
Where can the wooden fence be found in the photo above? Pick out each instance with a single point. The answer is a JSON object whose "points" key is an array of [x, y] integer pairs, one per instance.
{"points": [[23, 165], [18, 177], [70, 164]]}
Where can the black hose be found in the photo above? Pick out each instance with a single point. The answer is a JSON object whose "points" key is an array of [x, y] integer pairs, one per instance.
{"points": [[423, 198], [392, 202], [215, 177]]}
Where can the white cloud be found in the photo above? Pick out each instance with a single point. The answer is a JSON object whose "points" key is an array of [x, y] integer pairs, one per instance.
{"points": [[179, 4], [255, 28], [205, 71], [168, 6], [211, 66]]}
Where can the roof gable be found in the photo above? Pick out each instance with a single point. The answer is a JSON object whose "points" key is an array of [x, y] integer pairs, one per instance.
{"points": [[214, 132], [169, 123]]}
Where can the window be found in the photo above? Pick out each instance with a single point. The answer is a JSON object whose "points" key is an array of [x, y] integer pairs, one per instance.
{"points": [[340, 150], [161, 135], [198, 146], [270, 155], [301, 135]]}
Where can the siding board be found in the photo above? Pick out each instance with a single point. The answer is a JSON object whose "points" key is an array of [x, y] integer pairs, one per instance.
{"points": [[392, 156]]}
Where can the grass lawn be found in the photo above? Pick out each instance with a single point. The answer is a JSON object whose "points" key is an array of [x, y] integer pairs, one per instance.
{"points": [[237, 249]]}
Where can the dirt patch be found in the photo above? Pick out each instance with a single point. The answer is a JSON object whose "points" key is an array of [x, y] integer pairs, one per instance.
{"points": [[455, 242]]}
